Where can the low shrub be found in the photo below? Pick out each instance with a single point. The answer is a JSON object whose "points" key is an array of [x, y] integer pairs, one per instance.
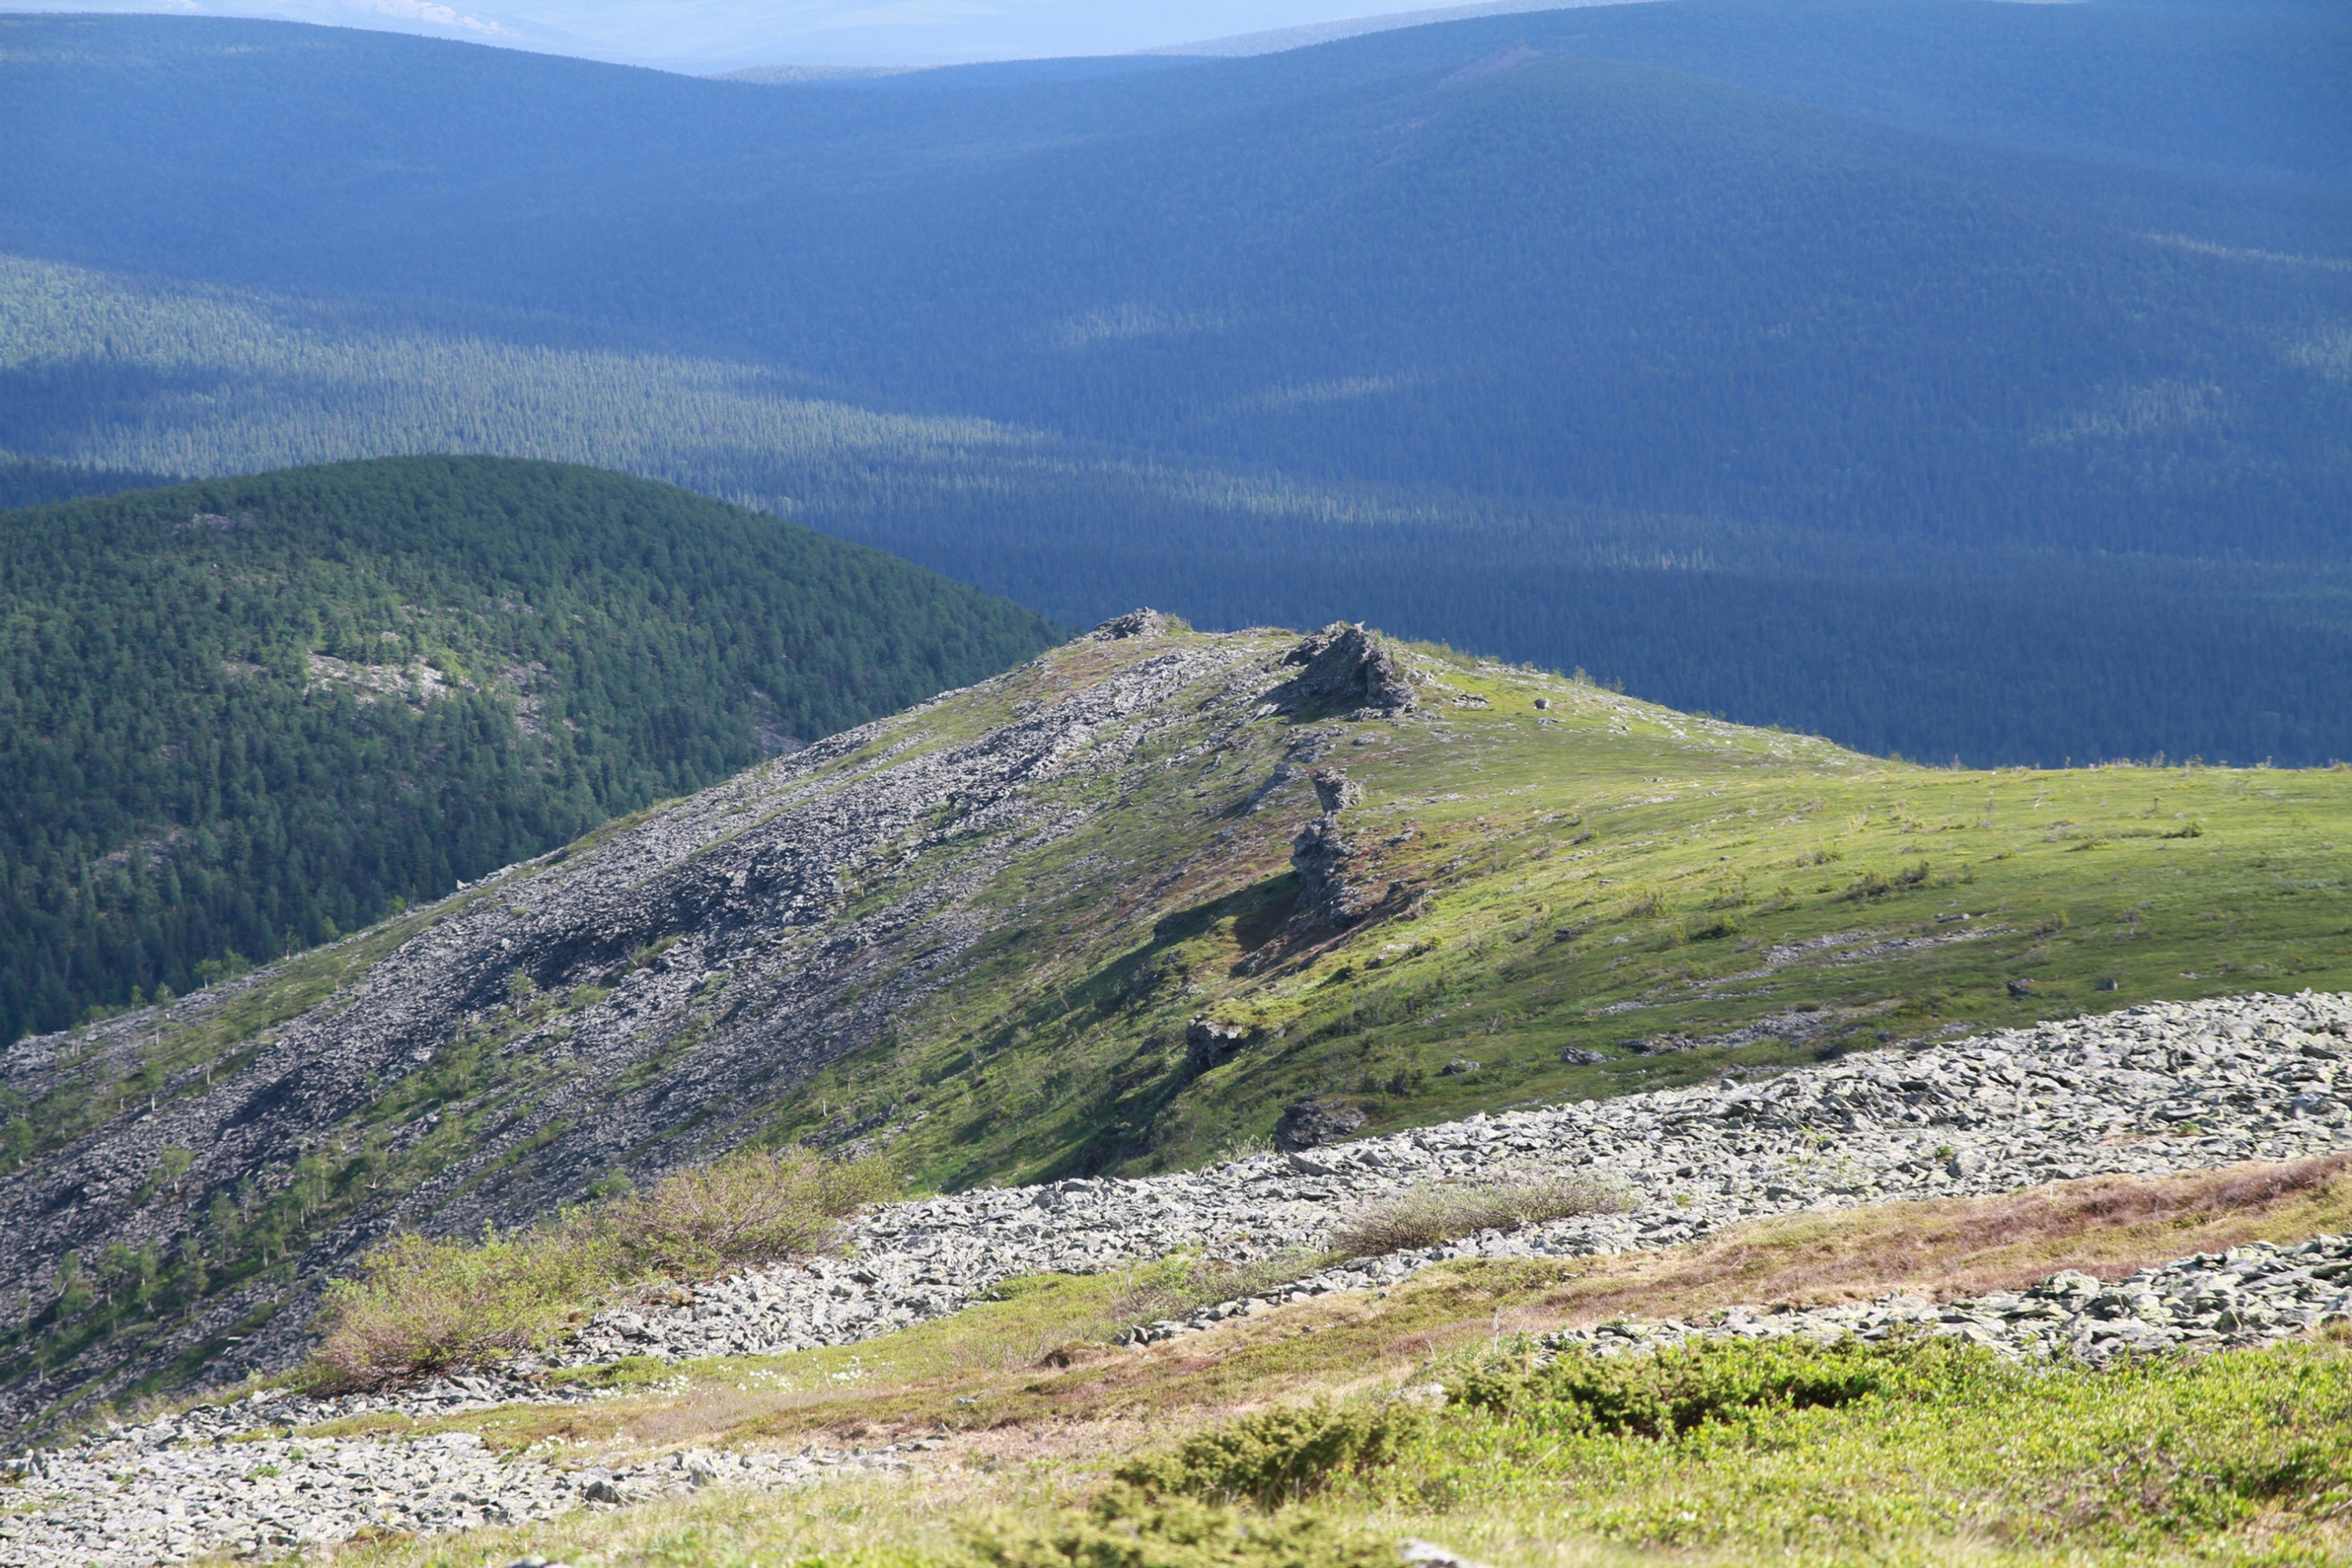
{"points": [[1428, 1216], [750, 1208], [421, 1308], [1280, 1456], [1126, 1529], [1184, 1286], [1284, 1456], [1915, 1450], [1676, 1390]]}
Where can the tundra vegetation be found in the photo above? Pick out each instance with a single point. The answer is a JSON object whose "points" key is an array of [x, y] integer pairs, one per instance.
{"points": [[1598, 896], [1312, 1432], [420, 1308]]}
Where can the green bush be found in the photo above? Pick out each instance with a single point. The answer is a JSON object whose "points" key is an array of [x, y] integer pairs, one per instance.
{"points": [[749, 1208], [1427, 1216], [422, 1308], [1675, 1390], [1177, 1287], [1131, 1530], [1916, 1450], [1281, 1456]]}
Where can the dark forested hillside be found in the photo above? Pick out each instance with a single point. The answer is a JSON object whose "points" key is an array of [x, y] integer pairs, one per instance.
{"points": [[243, 716], [1948, 377]]}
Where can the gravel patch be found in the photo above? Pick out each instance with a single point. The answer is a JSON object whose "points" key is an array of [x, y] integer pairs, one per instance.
{"points": [[170, 1490], [2248, 1295], [2151, 1090]]}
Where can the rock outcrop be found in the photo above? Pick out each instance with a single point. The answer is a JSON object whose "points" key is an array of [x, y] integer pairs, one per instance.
{"points": [[1209, 1044], [1134, 623], [1332, 894], [1344, 669], [1334, 790], [1312, 1123]]}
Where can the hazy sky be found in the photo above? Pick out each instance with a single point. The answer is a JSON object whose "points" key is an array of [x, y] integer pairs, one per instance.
{"points": [[719, 35]]}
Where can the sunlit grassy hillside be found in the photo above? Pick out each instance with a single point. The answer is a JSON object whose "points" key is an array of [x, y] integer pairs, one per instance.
{"points": [[1611, 895]]}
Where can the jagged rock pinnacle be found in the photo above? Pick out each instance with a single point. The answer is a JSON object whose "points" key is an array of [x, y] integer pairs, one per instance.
{"points": [[1335, 790], [1136, 623], [1345, 670]]}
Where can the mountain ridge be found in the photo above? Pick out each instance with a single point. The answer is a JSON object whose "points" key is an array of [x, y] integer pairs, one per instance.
{"points": [[1128, 907], [241, 715]]}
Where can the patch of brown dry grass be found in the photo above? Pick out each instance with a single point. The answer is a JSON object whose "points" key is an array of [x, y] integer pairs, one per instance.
{"points": [[1951, 1247]]}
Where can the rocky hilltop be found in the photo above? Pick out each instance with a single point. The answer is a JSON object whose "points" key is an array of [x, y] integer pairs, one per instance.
{"points": [[645, 997], [1154, 898]]}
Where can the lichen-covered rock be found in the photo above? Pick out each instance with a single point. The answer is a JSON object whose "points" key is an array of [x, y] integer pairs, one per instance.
{"points": [[1334, 790], [1322, 856], [1134, 623]]}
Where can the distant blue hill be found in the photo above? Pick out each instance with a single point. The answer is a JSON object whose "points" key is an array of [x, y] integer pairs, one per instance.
{"points": [[1948, 377]]}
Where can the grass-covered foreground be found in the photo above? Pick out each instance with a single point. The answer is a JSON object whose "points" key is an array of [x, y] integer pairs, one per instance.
{"points": [[1919, 1452], [1283, 1439]]}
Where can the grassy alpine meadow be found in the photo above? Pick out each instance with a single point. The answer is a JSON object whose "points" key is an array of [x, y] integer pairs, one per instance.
{"points": [[1597, 896]]}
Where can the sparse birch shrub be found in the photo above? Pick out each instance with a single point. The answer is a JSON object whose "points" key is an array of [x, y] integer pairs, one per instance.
{"points": [[1868, 886], [1680, 1388], [422, 1308], [1280, 1456], [1430, 1215], [1179, 1288], [751, 1207], [1127, 1528]]}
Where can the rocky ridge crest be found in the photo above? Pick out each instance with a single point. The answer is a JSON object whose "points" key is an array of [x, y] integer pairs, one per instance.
{"points": [[643, 993]]}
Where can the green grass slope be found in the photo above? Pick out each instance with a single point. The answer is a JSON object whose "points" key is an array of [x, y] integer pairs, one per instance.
{"points": [[1612, 895], [1597, 896], [240, 717]]}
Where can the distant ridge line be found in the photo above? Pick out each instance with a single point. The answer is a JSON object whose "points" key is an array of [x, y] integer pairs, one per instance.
{"points": [[1276, 40]]}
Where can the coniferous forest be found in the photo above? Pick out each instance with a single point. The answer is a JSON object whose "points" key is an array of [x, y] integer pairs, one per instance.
{"points": [[241, 717]]}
